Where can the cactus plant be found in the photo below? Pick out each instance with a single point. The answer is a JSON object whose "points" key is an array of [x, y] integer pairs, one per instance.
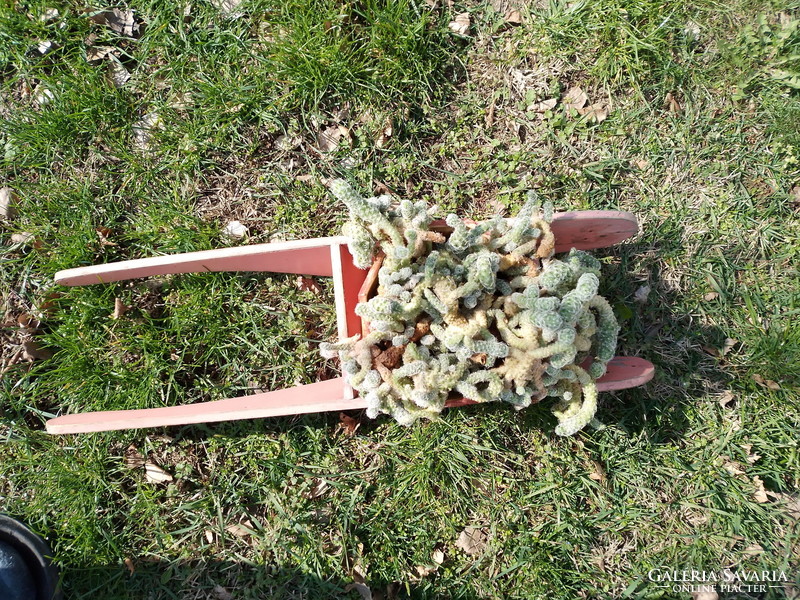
{"points": [[487, 312]]}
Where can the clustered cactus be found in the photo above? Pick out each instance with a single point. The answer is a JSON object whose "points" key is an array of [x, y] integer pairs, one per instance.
{"points": [[486, 312]]}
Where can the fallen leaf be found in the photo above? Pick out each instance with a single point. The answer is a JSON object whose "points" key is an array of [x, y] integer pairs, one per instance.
{"points": [[42, 95], [155, 474], [794, 196], [49, 14], [710, 350], [575, 98], [792, 504], [598, 472], [23, 238], [726, 398], [385, 134], [671, 103], [118, 75], [209, 536], [733, 467], [129, 564], [235, 229], [760, 494], [423, 571], [362, 589], [512, 17], [348, 424], [8, 203], [472, 540], [328, 140], [143, 130], [711, 296], [220, 593], [543, 106], [307, 284], [228, 7], [319, 487], [753, 550], [240, 530], [438, 556], [641, 294], [642, 164], [133, 458], [96, 54], [31, 351], [460, 24], [729, 343], [120, 308], [103, 233], [705, 595], [767, 383], [596, 112], [120, 21]]}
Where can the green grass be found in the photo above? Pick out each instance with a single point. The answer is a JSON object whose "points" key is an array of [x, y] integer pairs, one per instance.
{"points": [[672, 480]]}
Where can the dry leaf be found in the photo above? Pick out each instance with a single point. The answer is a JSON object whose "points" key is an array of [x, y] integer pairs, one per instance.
{"points": [[671, 103], [512, 17], [23, 238], [328, 140], [751, 456], [733, 467], [438, 556], [598, 472], [228, 7], [42, 95], [49, 14], [710, 296], [728, 345], [240, 530], [155, 474], [319, 487], [118, 75], [103, 233], [767, 383], [596, 112], [307, 284], [129, 564], [143, 130], [121, 21], [575, 98], [235, 230], [133, 458], [642, 164], [385, 134], [753, 550], [460, 24], [705, 595], [96, 54], [726, 398], [641, 294], [794, 196], [543, 106], [120, 308], [362, 589], [792, 504], [31, 351], [348, 424], [760, 495], [220, 593], [8, 203], [472, 540], [209, 536]]}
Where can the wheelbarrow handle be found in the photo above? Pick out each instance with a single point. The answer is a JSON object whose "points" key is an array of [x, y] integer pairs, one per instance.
{"points": [[323, 396]]}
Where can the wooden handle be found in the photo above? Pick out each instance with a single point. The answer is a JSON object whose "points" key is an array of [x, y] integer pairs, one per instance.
{"points": [[324, 396]]}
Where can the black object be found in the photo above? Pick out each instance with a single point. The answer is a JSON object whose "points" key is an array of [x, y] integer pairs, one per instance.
{"points": [[26, 572]]}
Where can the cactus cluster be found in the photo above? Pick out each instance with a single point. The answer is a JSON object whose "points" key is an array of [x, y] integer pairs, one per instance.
{"points": [[486, 312]]}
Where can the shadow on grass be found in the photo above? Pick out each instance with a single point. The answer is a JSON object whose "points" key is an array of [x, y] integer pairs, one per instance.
{"points": [[222, 580]]}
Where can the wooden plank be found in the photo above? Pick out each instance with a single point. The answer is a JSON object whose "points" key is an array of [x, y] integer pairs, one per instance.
{"points": [[324, 396], [307, 257]]}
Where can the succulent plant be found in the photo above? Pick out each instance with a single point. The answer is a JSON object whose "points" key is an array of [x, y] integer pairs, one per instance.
{"points": [[487, 312]]}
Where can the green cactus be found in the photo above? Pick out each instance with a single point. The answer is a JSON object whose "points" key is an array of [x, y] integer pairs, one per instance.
{"points": [[500, 317]]}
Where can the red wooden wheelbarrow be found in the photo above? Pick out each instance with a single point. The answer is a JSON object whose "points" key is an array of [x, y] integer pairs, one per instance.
{"points": [[327, 257]]}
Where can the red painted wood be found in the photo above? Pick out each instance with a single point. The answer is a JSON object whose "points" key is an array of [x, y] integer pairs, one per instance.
{"points": [[308, 257], [314, 397], [323, 396]]}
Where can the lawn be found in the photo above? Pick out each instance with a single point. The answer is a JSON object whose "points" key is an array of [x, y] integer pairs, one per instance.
{"points": [[133, 134]]}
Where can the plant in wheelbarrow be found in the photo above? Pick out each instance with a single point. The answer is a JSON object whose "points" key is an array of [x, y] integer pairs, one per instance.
{"points": [[482, 311]]}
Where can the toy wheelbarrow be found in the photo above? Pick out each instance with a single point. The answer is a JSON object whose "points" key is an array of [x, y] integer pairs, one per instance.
{"points": [[328, 257]]}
